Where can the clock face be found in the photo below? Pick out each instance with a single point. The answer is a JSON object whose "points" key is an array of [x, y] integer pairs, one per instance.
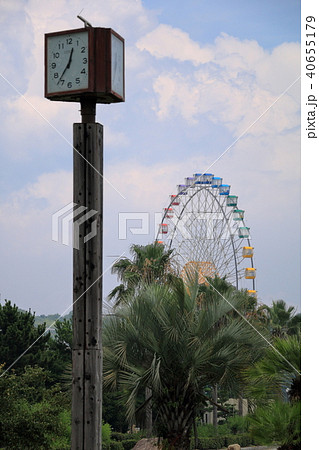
{"points": [[117, 75], [67, 62]]}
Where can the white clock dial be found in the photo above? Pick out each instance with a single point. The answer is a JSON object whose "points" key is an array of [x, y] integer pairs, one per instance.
{"points": [[67, 62], [117, 82]]}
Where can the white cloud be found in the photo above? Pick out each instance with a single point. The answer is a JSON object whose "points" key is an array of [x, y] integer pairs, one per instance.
{"points": [[233, 82], [166, 41]]}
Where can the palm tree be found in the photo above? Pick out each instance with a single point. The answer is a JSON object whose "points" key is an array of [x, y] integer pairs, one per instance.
{"points": [[168, 341], [277, 372], [149, 264], [282, 320]]}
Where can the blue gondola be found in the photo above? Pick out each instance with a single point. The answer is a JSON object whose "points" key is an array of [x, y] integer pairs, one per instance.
{"points": [[216, 182], [181, 189], [224, 189]]}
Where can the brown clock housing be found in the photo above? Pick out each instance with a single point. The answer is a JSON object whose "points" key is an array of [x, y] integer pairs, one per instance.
{"points": [[100, 86]]}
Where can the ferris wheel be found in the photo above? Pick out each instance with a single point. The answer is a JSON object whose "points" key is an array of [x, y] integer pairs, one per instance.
{"points": [[207, 232]]}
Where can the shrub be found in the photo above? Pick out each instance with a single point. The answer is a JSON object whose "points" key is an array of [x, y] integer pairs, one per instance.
{"points": [[106, 435], [217, 442], [278, 422], [116, 445], [238, 424], [117, 436], [129, 443], [208, 443]]}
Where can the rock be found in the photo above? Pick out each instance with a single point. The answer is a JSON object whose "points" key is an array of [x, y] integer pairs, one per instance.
{"points": [[234, 447], [146, 444]]}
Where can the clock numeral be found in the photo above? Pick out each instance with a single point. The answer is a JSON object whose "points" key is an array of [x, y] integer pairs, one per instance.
{"points": [[69, 85], [61, 81], [69, 40], [83, 71], [85, 60], [77, 80], [53, 65], [56, 55], [82, 49], [61, 46], [56, 75]]}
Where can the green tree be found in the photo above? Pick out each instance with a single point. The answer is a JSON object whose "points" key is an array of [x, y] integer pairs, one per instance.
{"points": [[277, 372], [149, 264], [60, 349], [270, 379], [21, 342], [31, 415], [168, 340], [282, 319]]}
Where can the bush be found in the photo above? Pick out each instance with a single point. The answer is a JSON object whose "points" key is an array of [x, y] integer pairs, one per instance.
{"points": [[106, 435], [208, 443], [32, 416], [238, 424], [116, 445], [223, 441], [233, 425], [129, 443], [278, 422], [117, 436], [244, 440]]}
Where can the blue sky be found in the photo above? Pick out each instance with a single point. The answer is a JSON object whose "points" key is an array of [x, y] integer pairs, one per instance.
{"points": [[198, 76]]}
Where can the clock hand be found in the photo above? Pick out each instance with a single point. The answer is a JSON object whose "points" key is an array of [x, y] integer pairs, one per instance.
{"points": [[67, 66]]}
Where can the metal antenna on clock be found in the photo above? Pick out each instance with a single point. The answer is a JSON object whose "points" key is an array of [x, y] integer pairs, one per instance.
{"points": [[86, 23]]}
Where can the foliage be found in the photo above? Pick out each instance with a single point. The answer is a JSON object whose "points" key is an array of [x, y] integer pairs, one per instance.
{"points": [[149, 264], [164, 338], [278, 370], [278, 422], [217, 442], [50, 319], [282, 320], [60, 349], [238, 424], [18, 335], [31, 415], [115, 445], [106, 435], [233, 425], [128, 444], [113, 411]]}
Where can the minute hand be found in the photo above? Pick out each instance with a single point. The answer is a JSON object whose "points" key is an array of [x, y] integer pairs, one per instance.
{"points": [[67, 66]]}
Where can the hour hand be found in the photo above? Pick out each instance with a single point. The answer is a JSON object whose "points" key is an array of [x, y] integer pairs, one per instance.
{"points": [[67, 66]]}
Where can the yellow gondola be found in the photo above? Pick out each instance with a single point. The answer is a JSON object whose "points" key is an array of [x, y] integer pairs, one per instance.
{"points": [[248, 252], [250, 273]]}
